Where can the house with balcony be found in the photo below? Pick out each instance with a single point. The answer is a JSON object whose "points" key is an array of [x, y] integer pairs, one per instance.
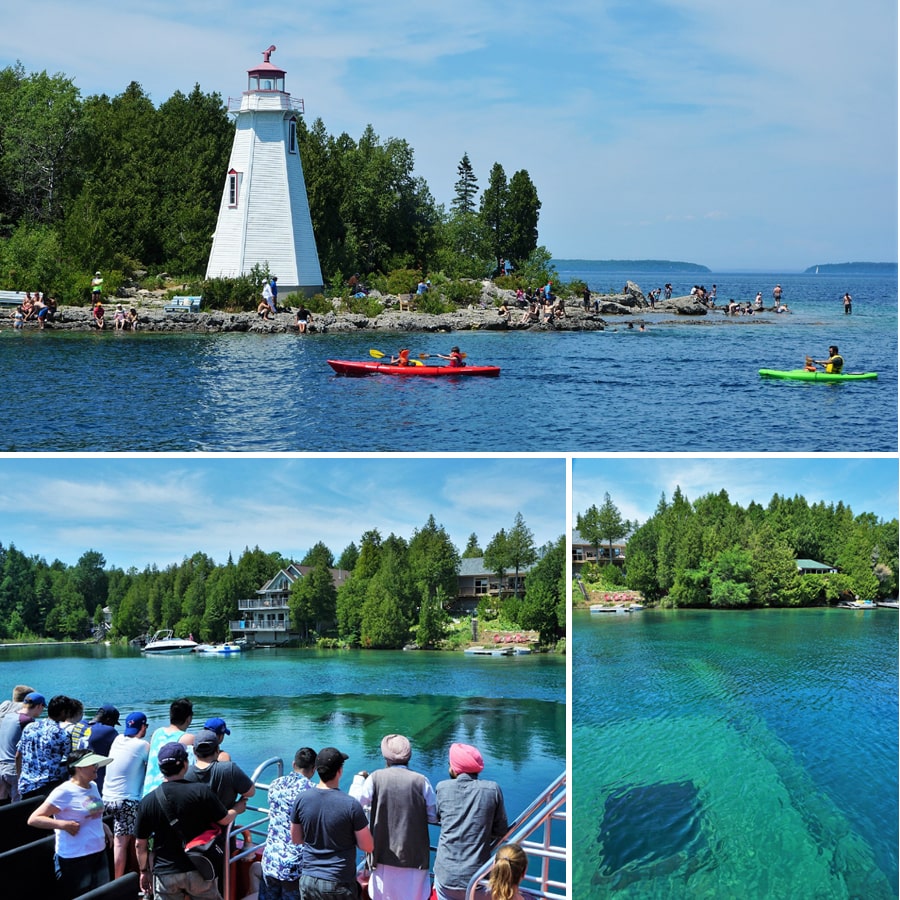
{"points": [[475, 582], [266, 618], [585, 552]]}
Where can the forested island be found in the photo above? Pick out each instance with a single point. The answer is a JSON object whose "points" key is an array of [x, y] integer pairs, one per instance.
{"points": [[632, 265], [714, 553], [392, 590], [852, 268]]}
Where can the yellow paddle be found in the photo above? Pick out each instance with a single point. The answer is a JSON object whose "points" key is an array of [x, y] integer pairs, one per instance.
{"points": [[377, 354]]}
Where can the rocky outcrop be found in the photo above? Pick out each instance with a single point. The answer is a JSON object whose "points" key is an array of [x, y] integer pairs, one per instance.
{"points": [[482, 315], [682, 306]]}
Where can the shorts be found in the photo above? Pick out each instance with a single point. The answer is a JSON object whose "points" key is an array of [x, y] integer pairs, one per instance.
{"points": [[124, 813]]}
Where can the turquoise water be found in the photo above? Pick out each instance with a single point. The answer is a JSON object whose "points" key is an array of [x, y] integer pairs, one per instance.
{"points": [[746, 755], [686, 385], [275, 701]]}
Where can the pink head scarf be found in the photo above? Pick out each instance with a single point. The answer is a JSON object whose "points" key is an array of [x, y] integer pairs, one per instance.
{"points": [[465, 758]]}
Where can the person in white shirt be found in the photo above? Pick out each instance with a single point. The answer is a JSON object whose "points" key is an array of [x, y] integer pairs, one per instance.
{"points": [[124, 784], [74, 811]]}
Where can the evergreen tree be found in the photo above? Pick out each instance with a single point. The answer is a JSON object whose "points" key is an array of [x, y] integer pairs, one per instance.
{"points": [[472, 551], [544, 594], [313, 600], [433, 562], [318, 553], [520, 543], [466, 187], [523, 210], [348, 557], [494, 214], [497, 556]]}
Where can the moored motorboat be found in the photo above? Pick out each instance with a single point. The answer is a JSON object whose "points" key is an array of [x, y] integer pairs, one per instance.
{"points": [[165, 642], [223, 649], [598, 608], [806, 375], [367, 367]]}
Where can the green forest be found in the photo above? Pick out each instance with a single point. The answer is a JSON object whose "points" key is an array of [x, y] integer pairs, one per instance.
{"points": [[714, 553], [119, 185], [398, 591]]}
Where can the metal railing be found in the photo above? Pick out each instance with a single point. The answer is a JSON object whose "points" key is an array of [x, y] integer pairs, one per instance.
{"points": [[533, 829]]}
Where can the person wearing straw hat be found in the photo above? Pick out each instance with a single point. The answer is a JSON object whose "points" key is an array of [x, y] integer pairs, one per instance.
{"points": [[74, 811]]}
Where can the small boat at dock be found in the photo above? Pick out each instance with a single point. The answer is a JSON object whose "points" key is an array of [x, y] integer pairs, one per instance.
{"points": [[490, 651], [224, 649]]}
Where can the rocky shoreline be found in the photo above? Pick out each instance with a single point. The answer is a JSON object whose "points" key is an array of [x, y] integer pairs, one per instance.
{"points": [[630, 309]]}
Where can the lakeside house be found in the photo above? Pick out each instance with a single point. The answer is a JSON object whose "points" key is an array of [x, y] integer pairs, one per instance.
{"points": [[584, 551], [266, 618]]}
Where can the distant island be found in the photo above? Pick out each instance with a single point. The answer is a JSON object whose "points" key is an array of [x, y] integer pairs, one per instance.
{"points": [[853, 268], [629, 265]]}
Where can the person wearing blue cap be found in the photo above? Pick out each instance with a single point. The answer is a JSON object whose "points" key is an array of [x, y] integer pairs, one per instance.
{"points": [[11, 727], [218, 725], [124, 784]]}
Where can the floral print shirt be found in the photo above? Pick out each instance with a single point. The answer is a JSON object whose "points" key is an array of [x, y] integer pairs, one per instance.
{"points": [[281, 856]]}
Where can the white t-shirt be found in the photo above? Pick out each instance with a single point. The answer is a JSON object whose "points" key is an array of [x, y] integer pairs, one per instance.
{"points": [[82, 805], [124, 778]]}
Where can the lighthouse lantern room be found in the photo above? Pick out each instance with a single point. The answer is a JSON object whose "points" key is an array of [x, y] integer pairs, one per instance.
{"points": [[264, 214]]}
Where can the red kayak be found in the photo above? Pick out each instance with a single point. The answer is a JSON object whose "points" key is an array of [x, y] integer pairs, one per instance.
{"points": [[348, 367]]}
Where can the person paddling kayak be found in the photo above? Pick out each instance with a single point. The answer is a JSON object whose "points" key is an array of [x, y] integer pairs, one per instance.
{"points": [[833, 365], [455, 358], [401, 359]]}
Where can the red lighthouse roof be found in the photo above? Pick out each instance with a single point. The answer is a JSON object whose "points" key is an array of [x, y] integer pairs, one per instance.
{"points": [[266, 76]]}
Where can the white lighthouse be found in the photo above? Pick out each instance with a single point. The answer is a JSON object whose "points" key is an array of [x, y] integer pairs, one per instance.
{"points": [[264, 214]]}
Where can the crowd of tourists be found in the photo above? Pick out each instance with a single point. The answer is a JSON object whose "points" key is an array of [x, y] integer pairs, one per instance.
{"points": [[158, 796]]}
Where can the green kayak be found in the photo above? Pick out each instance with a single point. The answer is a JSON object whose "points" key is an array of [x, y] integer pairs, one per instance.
{"points": [[804, 375]]}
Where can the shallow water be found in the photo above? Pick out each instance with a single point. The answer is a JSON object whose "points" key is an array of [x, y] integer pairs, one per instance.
{"points": [[747, 754], [681, 385]]}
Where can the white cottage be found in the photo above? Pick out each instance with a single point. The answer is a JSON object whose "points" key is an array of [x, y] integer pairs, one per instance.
{"points": [[264, 214]]}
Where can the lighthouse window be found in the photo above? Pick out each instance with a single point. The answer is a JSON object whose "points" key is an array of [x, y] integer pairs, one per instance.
{"points": [[232, 188], [292, 136]]}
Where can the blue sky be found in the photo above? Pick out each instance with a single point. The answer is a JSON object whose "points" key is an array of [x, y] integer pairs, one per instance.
{"points": [[740, 136], [865, 484], [161, 509]]}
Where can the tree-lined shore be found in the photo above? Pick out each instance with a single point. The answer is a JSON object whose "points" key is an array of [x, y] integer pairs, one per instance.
{"points": [[119, 185], [397, 590], [715, 553]]}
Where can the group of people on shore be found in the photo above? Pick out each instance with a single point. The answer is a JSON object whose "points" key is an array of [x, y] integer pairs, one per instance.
{"points": [[163, 789], [35, 307]]}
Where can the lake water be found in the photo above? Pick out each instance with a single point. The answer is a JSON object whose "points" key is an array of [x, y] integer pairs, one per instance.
{"points": [[746, 754], [277, 700], [680, 386]]}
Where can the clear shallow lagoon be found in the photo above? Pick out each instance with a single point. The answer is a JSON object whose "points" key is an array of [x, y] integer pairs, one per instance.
{"points": [[735, 754], [275, 701], [686, 385]]}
